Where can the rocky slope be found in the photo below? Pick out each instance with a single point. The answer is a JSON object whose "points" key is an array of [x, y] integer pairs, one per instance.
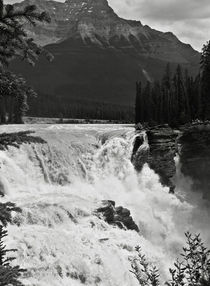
{"points": [[98, 55]]}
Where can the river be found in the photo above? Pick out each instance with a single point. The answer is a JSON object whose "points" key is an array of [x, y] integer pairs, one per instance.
{"points": [[60, 184]]}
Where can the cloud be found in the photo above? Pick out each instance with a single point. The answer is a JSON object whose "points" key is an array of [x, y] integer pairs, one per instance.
{"points": [[188, 19]]}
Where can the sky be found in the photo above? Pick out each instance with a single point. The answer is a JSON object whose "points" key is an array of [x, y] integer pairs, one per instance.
{"points": [[189, 20]]}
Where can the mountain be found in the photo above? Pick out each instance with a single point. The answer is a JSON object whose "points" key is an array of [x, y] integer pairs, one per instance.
{"points": [[98, 57]]}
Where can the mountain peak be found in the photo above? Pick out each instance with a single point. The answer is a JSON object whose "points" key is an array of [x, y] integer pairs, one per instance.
{"points": [[93, 22]]}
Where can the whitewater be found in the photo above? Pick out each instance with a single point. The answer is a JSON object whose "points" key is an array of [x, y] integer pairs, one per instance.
{"points": [[59, 185]]}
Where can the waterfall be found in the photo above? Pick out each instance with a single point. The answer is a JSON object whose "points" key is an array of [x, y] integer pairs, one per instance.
{"points": [[59, 184]]}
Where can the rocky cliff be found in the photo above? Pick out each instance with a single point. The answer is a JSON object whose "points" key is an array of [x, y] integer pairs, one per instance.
{"points": [[191, 142], [160, 154]]}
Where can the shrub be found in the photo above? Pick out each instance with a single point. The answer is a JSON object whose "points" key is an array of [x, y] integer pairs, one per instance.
{"points": [[193, 270]]}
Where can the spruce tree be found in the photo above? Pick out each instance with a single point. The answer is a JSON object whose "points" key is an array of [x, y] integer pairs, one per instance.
{"points": [[9, 274], [180, 95], [138, 106], [14, 41], [147, 102], [205, 81]]}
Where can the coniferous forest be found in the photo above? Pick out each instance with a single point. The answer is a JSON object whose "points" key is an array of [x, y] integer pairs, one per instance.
{"points": [[177, 98]]}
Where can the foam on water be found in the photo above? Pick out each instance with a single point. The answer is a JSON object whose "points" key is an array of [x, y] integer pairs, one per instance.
{"points": [[59, 184]]}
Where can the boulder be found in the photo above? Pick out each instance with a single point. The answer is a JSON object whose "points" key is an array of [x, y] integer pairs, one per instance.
{"points": [[118, 216]]}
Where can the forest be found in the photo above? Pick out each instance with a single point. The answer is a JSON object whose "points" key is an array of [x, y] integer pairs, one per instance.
{"points": [[177, 98]]}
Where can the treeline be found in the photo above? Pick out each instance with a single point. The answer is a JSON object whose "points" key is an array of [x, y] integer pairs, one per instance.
{"points": [[176, 99], [51, 106]]}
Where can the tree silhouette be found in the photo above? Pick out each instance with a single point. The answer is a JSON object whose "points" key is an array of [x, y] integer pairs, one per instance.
{"points": [[14, 41], [205, 81], [9, 275]]}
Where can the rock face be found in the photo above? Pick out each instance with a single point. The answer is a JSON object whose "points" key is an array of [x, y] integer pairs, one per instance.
{"points": [[118, 216], [195, 156], [98, 56], [159, 154], [163, 149], [140, 154]]}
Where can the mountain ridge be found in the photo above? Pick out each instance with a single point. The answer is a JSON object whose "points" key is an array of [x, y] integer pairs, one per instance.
{"points": [[98, 55], [95, 22]]}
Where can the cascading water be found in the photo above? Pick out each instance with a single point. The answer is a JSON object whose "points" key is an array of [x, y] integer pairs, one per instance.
{"points": [[59, 184]]}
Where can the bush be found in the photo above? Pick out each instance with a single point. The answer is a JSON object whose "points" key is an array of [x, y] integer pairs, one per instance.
{"points": [[193, 270], [9, 275]]}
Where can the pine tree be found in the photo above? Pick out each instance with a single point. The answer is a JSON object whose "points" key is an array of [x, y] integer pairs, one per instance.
{"points": [[147, 102], [166, 81], [188, 93], [138, 115], [9, 275], [180, 95], [205, 81], [14, 41], [156, 99], [196, 105]]}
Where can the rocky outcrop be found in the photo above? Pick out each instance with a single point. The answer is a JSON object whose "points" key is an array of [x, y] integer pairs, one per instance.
{"points": [[159, 153], [18, 138], [163, 149], [194, 155], [118, 216]]}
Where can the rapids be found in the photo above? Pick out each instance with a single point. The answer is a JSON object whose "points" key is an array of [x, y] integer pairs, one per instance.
{"points": [[59, 184]]}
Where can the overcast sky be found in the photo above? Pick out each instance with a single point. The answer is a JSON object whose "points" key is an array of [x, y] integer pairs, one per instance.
{"points": [[188, 19]]}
